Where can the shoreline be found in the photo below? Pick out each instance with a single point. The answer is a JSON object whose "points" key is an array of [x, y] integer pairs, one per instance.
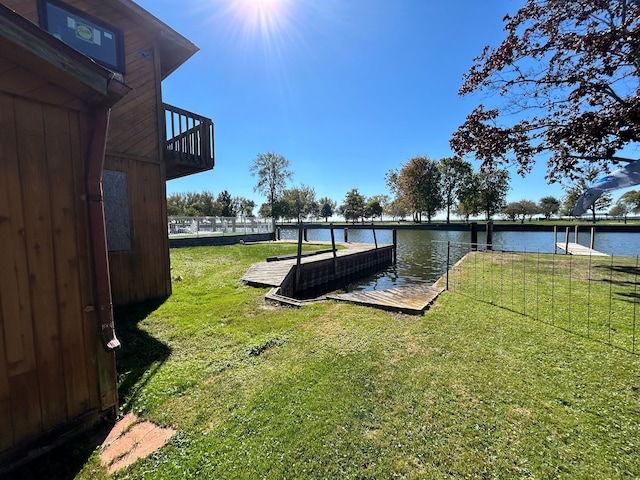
{"points": [[463, 227]]}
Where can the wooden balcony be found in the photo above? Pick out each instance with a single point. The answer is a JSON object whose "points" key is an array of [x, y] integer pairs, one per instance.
{"points": [[189, 145]]}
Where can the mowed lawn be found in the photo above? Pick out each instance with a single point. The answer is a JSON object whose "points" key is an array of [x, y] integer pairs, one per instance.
{"points": [[330, 390]]}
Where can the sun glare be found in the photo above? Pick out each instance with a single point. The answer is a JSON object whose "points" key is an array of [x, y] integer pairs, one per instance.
{"points": [[264, 16], [264, 25]]}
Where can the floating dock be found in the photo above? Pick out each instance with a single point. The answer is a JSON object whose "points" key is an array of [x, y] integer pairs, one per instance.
{"points": [[412, 300]]}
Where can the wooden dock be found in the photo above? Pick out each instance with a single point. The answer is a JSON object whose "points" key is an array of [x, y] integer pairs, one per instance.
{"points": [[281, 274], [577, 249], [412, 300], [273, 273]]}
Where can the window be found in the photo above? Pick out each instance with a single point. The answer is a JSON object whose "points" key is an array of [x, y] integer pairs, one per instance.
{"points": [[89, 35]]}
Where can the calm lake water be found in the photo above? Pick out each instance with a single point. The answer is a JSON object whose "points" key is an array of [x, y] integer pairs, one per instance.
{"points": [[422, 254]]}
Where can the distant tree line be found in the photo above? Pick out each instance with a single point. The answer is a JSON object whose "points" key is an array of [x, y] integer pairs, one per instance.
{"points": [[421, 189], [205, 204]]}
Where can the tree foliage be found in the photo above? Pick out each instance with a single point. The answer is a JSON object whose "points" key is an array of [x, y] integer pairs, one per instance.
{"points": [[521, 209], [627, 203], [570, 69], [327, 207], [581, 184], [455, 175], [492, 192], [226, 203], [548, 206], [273, 173], [419, 184], [353, 207], [300, 200]]}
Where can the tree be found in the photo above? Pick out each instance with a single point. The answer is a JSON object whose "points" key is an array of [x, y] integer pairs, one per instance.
{"points": [[300, 200], [455, 175], [581, 184], [376, 206], [398, 209], [510, 211], [373, 208], [520, 209], [243, 206], [226, 204], [353, 206], [265, 211], [469, 198], [272, 172], [548, 206], [492, 189], [620, 209], [570, 71], [628, 202], [327, 207], [419, 183], [632, 198], [208, 204]]}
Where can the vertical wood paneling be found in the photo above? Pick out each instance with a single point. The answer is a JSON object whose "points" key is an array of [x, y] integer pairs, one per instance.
{"points": [[19, 349], [142, 272], [61, 162], [100, 366], [6, 435], [36, 199]]}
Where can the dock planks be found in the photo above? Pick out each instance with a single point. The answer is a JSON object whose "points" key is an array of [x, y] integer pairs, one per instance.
{"points": [[272, 274], [412, 300], [577, 249]]}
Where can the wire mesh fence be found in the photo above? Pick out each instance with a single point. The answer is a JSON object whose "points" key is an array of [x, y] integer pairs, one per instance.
{"points": [[593, 296], [216, 226]]}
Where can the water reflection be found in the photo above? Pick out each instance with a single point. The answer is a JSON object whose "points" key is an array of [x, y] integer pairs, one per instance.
{"points": [[422, 254]]}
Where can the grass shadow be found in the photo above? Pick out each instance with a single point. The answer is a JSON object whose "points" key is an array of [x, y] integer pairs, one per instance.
{"points": [[140, 352]]}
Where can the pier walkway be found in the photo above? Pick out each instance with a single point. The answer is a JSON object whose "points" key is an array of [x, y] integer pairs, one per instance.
{"points": [[273, 274], [577, 249], [281, 275]]}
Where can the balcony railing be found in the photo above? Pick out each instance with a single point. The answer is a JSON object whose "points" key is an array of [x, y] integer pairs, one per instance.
{"points": [[189, 145]]}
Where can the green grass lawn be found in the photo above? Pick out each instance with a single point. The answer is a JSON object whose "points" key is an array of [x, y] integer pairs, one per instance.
{"points": [[329, 390]]}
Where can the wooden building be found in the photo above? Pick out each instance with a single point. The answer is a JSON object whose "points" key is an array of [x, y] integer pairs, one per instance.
{"points": [[86, 147]]}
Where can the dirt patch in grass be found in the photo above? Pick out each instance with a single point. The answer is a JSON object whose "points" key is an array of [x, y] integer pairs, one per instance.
{"points": [[131, 439]]}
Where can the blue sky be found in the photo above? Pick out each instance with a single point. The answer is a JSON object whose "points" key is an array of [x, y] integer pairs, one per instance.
{"points": [[344, 89]]}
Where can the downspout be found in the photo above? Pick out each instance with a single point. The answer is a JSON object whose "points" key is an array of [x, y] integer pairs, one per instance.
{"points": [[95, 197]]}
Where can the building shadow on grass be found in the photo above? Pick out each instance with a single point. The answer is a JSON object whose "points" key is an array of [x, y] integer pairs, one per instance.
{"points": [[140, 353]]}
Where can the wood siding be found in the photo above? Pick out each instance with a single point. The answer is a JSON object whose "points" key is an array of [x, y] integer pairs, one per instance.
{"points": [[143, 271], [134, 147], [50, 353]]}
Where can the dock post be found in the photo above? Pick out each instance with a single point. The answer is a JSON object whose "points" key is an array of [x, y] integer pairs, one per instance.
{"points": [[333, 248], [298, 256], [346, 235], [566, 240], [575, 234], [304, 234], [555, 239], [474, 236], [375, 241], [395, 246], [593, 238], [278, 233], [448, 255], [490, 235]]}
